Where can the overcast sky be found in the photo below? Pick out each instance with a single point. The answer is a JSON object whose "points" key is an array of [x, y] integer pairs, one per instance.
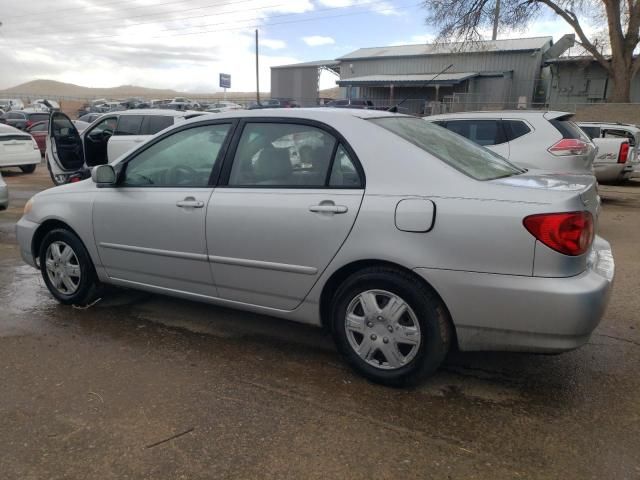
{"points": [[184, 45]]}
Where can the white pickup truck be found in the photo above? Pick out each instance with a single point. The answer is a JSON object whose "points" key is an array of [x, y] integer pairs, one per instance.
{"points": [[617, 158]]}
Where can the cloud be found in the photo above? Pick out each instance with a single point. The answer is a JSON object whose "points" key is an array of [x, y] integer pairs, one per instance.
{"points": [[380, 7], [318, 40], [273, 44], [93, 43]]}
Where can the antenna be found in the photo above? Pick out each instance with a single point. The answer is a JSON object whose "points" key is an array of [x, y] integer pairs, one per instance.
{"points": [[395, 107]]}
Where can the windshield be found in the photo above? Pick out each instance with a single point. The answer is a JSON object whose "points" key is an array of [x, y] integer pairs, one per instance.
{"points": [[455, 150]]}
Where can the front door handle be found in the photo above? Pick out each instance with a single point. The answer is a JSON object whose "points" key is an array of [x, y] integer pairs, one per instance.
{"points": [[328, 208], [189, 202]]}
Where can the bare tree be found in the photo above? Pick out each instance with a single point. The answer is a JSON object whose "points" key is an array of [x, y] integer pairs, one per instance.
{"points": [[465, 20]]}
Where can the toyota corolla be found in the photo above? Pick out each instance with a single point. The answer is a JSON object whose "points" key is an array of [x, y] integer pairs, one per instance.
{"points": [[399, 236]]}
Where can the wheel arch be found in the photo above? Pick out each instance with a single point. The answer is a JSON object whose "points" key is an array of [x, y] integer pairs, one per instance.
{"points": [[46, 227], [341, 274]]}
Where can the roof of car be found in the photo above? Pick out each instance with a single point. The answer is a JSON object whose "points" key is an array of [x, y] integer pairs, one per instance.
{"points": [[319, 113], [155, 111], [8, 129], [610, 125], [501, 114]]}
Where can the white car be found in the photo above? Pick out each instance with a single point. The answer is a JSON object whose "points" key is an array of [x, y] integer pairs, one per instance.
{"points": [[18, 149], [4, 194], [618, 130], [532, 139], [104, 140], [223, 107]]}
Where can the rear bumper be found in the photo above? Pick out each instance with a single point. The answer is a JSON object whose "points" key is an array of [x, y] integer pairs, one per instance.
{"points": [[23, 158], [25, 230], [527, 314], [609, 172]]}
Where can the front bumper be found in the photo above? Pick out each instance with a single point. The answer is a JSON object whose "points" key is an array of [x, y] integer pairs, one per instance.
{"points": [[25, 230], [527, 314]]}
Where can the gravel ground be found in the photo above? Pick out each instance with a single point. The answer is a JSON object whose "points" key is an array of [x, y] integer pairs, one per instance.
{"points": [[143, 386]]}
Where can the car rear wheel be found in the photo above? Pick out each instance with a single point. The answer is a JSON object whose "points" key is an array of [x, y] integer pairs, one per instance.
{"points": [[28, 168], [390, 328], [67, 269]]}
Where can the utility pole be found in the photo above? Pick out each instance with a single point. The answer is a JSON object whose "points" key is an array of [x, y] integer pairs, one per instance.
{"points": [[496, 20], [257, 71]]}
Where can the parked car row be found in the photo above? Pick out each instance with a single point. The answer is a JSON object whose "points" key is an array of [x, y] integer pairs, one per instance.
{"points": [[102, 141]]}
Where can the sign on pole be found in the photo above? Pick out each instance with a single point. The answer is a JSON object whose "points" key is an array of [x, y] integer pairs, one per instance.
{"points": [[225, 80]]}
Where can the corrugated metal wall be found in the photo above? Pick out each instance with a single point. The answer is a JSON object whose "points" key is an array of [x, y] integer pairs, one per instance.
{"points": [[525, 66], [583, 82], [299, 83]]}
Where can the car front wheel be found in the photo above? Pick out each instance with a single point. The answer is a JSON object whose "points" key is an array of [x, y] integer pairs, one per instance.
{"points": [[389, 327], [28, 168], [67, 269]]}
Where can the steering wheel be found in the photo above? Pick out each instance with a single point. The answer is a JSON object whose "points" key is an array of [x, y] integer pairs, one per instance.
{"points": [[181, 173]]}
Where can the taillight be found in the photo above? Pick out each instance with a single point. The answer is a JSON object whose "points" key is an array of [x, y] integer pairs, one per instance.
{"points": [[624, 153], [28, 124], [569, 146], [569, 233]]}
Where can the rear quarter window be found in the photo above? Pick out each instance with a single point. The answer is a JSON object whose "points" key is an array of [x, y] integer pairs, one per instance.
{"points": [[568, 129], [462, 154]]}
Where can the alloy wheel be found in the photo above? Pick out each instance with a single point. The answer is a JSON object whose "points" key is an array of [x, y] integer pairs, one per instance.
{"points": [[382, 329], [63, 267]]}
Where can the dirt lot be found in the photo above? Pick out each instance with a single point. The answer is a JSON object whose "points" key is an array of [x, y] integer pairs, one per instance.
{"points": [[142, 386]]}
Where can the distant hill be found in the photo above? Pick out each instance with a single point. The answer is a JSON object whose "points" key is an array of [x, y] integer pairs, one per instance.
{"points": [[60, 90]]}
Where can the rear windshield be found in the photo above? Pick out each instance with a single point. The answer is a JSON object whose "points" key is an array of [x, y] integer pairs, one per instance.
{"points": [[568, 129], [592, 132], [39, 117], [9, 138], [460, 153]]}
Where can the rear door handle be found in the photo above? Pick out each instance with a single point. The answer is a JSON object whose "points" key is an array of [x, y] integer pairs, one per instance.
{"points": [[189, 202], [328, 209]]}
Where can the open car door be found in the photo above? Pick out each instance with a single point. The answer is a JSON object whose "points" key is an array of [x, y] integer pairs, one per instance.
{"points": [[65, 143]]}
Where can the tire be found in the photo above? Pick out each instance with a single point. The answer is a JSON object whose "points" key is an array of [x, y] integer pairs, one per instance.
{"points": [[28, 168], [417, 338], [83, 278]]}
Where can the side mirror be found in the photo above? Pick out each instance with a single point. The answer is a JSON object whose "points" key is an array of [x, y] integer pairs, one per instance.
{"points": [[103, 175]]}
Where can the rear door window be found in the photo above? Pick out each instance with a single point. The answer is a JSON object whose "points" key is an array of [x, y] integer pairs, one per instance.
{"points": [[568, 129], [482, 132], [592, 132], [515, 129], [282, 155], [152, 124], [129, 125]]}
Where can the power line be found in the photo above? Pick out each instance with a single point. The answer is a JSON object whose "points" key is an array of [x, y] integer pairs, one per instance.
{"points": [[148, 15], [187, 31], [227, 12]]}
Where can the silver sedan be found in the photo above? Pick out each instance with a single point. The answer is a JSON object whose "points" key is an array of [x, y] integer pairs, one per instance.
{"points": [[400, 237]]}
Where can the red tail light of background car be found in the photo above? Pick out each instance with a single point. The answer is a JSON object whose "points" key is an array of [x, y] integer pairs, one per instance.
{"points": [[569, 146]]}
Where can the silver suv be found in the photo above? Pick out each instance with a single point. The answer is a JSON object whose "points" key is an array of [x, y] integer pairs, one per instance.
{"points": [[531, 139]]}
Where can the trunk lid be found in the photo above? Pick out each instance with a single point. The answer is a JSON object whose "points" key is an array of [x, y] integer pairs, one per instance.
{"points": [[15, 143]]}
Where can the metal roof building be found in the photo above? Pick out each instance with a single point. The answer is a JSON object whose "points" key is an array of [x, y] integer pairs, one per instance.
{"points": [[498, 73]]}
